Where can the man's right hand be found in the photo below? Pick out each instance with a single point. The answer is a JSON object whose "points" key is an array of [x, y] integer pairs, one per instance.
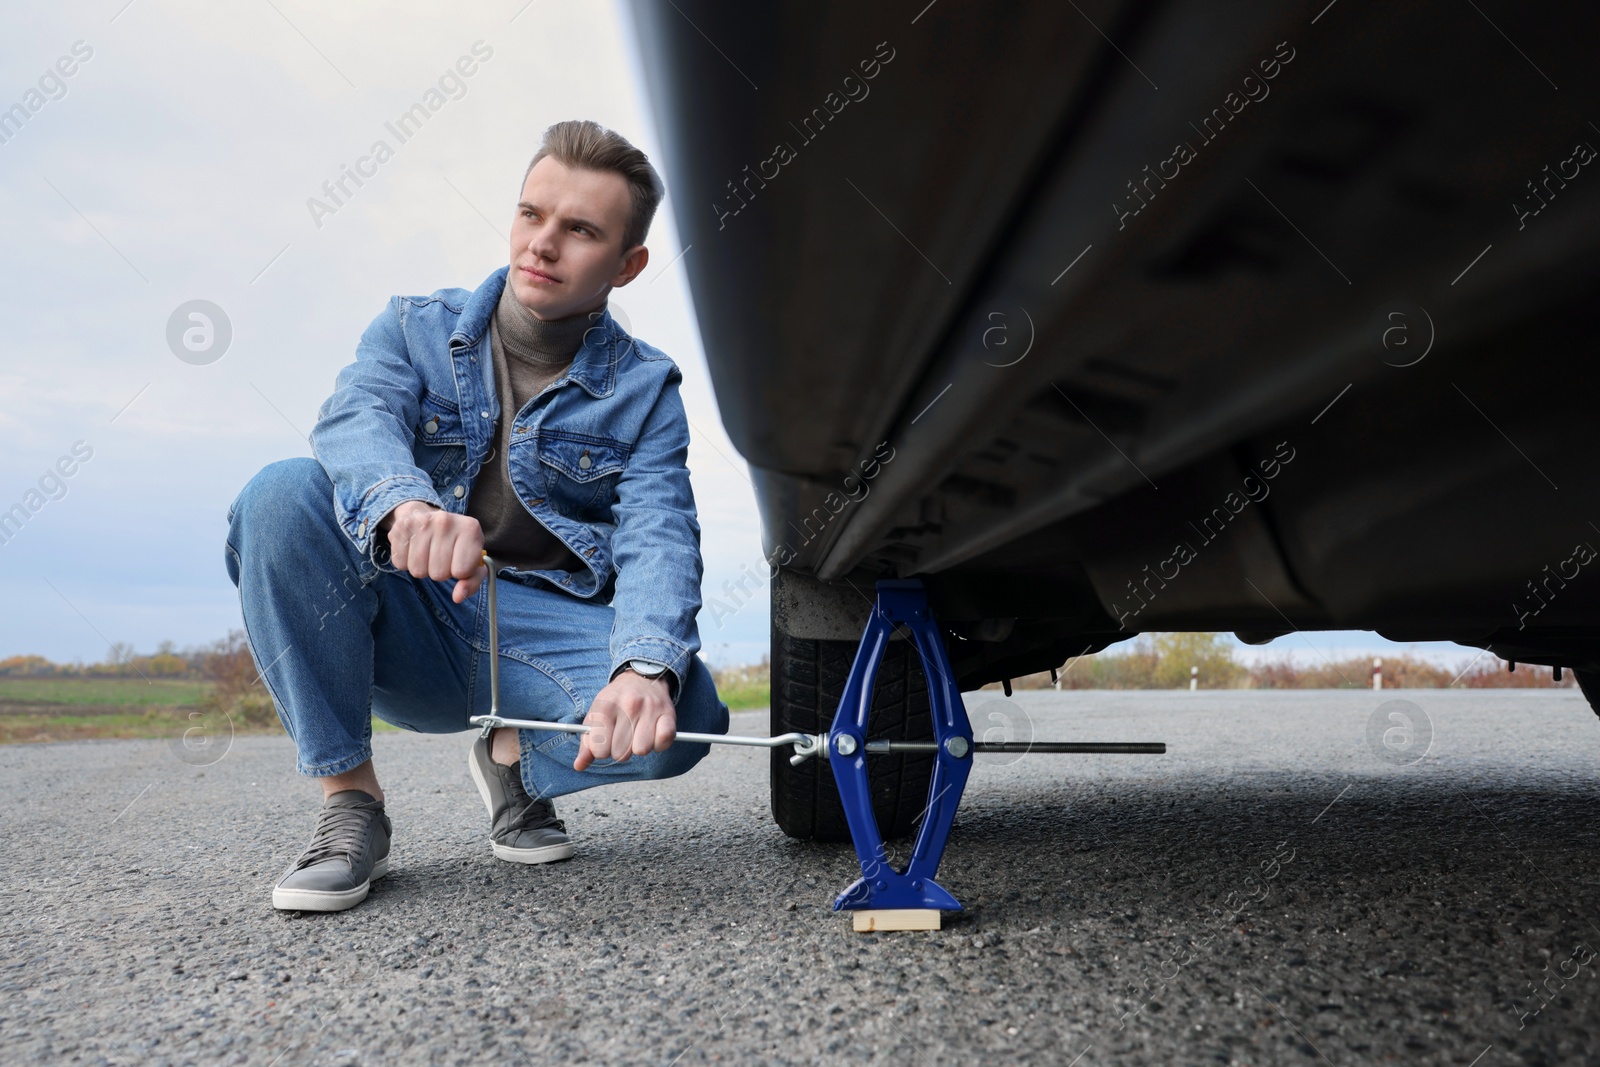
{"points": [[430, 542]]}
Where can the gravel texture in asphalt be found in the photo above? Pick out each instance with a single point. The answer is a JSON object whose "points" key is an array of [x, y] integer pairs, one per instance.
{"points": [[1304, 878]]}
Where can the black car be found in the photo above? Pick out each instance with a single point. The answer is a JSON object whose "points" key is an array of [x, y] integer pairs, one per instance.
{"points": [[1104, 318]]}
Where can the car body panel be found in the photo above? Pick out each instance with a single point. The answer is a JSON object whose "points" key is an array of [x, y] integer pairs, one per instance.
{"points": [[977, 262]]}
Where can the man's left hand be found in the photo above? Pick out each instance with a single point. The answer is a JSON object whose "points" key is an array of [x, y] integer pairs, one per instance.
{"points": [[632, 716]]}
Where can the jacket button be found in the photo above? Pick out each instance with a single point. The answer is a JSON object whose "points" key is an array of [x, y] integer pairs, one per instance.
{"points": [[431, 426], [584, 462], [363, 531], [460, 492], [485, 414]]}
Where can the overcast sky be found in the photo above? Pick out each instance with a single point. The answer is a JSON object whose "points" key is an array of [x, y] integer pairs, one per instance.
{"points": [[175, 163]]}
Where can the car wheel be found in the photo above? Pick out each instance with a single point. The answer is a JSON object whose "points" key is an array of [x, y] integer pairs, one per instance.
{"points": [[1589, 682], [808, 677]]}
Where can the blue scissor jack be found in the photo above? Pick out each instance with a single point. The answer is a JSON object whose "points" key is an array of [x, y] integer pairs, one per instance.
{"points": [[910, 899], [883, 898]]}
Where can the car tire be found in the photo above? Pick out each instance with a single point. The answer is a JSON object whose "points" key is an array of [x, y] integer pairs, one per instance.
{"points": [[808, 677], [1589, 683]]}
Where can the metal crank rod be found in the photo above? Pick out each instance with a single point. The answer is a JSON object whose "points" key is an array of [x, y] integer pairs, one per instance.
{"points": [[805, 745], [1104, 748]]}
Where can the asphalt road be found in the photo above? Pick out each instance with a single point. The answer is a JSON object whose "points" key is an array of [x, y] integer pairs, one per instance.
{"points": [[1276, 889]]}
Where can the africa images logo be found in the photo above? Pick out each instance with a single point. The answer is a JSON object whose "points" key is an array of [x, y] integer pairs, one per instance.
{"points": [[810, 128], [52, 485], [406, 126], [52, 85], [1213, 125]]}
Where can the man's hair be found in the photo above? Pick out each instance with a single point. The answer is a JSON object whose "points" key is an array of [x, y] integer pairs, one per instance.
{"points": [[587, 145]]}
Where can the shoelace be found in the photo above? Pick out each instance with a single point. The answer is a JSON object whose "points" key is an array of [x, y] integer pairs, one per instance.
{"points": [[339, 832], [524, 812]]}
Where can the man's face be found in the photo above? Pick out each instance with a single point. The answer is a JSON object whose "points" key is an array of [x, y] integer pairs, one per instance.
{"points": [[566, 240]]}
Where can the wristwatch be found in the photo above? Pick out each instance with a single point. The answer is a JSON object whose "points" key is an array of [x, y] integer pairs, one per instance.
{"points": [[645, 667]]}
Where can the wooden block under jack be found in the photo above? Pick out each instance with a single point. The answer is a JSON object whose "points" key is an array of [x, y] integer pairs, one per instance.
{"points": [[873, 921]]}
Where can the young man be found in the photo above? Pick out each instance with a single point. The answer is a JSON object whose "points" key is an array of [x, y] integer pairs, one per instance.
{"points": [[518, 418]]}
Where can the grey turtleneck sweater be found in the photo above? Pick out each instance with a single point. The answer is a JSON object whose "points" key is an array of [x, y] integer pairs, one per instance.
{"points": [[529, 353]]}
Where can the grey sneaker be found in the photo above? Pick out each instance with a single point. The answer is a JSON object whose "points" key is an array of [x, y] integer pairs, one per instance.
{"points": [[349, 849], [525, 830]]}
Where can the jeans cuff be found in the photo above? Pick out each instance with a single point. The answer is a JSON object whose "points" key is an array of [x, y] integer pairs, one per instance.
{"points": [[326, 770]]}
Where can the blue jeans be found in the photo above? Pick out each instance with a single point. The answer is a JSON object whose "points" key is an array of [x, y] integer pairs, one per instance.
{"points": [[336, 641]]}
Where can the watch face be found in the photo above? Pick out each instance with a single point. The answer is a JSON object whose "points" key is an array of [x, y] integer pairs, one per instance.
{"points": [[649, 670]]}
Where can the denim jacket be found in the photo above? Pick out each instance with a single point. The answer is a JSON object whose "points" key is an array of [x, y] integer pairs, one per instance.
{"points": [[598, 457]]}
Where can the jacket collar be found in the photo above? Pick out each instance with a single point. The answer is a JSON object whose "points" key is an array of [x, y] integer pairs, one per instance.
{"points": [[594, 368]]}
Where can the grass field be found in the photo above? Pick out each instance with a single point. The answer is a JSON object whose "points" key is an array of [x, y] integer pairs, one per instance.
{"points": [[75, 709], [70, 727], [70, 709], [124, 692], [742, 696]]}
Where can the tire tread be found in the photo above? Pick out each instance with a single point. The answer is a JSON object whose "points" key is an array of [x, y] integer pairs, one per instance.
{"points": [[808, 677]]}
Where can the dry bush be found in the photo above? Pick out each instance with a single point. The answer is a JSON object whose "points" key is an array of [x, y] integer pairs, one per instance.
{"points": [[26, 666], [1162, 661], [236, 690], [1149, 661], [745, 674], [1351, 672]]}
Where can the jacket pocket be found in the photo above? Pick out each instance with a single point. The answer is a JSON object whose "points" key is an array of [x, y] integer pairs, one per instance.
{"points": [[439, 439], [581, 471]]}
